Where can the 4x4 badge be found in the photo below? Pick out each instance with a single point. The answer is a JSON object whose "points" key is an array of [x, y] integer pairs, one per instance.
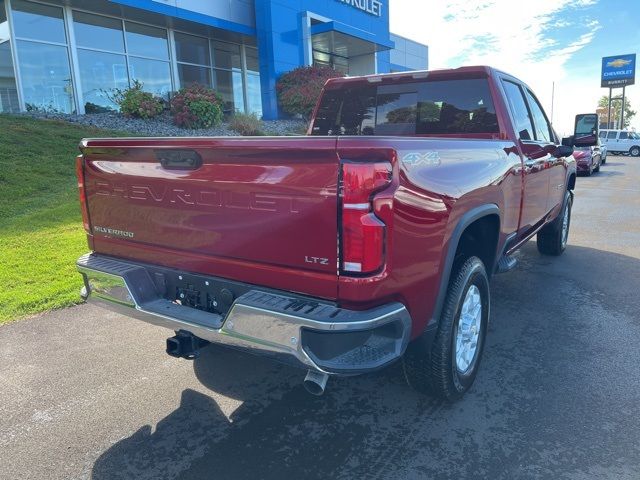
{"points": [[421, 159]]}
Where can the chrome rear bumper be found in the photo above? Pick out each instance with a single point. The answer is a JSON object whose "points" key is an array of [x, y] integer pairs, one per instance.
{"points": [[314, 335]]}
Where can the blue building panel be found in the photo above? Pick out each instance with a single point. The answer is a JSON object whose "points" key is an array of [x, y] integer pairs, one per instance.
{"points": [[171, 9]]}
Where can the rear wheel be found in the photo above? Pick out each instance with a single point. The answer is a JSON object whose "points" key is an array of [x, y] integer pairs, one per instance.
{"points": [[446, 366], [552, 239], [634, 151]]}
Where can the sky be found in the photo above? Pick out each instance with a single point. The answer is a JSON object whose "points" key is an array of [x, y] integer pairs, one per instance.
{"points": [[541, 42]]}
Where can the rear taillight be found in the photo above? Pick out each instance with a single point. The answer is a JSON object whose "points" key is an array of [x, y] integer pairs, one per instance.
{"points": [[363, 233], [81, 191]]}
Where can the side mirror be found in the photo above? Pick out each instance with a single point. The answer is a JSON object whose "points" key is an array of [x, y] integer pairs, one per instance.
{"points": [[585, 132]]}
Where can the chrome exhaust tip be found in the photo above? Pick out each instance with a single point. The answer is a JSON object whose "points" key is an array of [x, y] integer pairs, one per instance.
{"points": [[315, 382]]}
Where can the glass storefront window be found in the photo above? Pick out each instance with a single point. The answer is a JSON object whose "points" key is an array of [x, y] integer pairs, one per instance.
{"points": [[154, 75], [146, 41], [112, 53], [226, 55], [229, 85], [190, 74], [254, 97], [191, 49], [100, 74], [8, 93], [96, 31], [38, 22], [253, 64], [46, 78]]}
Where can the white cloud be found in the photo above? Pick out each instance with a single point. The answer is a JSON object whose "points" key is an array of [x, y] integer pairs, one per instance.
{"points": [[517, 37]]}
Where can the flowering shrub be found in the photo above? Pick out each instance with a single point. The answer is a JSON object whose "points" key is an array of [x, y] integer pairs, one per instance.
{"points": [[246, 124], [196, 106], [299, 89], [134, 102]]}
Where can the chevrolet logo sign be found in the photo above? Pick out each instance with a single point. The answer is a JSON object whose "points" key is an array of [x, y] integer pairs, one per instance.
{"points": [[618, 63]]}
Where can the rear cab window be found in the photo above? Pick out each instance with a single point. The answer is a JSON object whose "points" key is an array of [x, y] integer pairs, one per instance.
{"points": [[427, 107]]}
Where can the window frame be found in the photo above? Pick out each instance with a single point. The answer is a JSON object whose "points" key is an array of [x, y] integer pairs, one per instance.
{"points": [[520, 88]]}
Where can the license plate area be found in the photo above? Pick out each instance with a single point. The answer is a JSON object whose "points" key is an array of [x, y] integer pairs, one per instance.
{"points": [[204, 293]]}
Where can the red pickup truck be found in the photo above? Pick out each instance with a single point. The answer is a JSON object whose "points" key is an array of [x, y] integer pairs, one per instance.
{"points": [[369, 240]]}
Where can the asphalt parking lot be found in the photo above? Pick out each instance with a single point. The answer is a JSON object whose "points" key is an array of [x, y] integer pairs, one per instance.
{"points": [[89, 394]]}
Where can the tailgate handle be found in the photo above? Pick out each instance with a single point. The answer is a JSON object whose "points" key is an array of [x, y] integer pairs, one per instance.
{"points": [[179, 159]]}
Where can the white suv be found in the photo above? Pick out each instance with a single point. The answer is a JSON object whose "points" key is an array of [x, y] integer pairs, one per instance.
{"points": [[621, 141]]}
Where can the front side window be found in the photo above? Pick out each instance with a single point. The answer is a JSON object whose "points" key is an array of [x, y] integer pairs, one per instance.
{"points": [[432, 107], [519, 110], [543, 129], [623, 136]]}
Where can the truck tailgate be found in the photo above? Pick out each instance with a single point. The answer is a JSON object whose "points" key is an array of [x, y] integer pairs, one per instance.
{"points": [[239, 208]]}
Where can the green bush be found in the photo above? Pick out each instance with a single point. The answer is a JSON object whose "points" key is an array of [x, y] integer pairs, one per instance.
{"points": [[196, 106], [246, 124], [299, 89], [134, 102]]}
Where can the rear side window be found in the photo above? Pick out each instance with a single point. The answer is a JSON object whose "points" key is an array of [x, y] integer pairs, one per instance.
{"points": [[429, 107], [603, 134], [611, 135], [519, 110]]}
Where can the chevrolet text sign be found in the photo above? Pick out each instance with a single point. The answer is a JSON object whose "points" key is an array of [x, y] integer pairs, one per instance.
{"points": [[372, 7], [618, 71]]}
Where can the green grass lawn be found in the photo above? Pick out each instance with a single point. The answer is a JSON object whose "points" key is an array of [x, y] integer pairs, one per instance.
{"points": [[41, 233]]}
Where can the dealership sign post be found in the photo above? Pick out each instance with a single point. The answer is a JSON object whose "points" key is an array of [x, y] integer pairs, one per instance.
{"points": [[617, 72]]}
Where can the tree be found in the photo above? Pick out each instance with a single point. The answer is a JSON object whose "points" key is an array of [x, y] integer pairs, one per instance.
{"points": [[616, 106], [299, 89]]}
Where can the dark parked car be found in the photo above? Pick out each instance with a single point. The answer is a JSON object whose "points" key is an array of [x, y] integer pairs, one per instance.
{"points": [[588, 159]]}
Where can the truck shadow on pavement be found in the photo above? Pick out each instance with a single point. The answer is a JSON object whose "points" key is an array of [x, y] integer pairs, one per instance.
{"points": [[559, 327]]}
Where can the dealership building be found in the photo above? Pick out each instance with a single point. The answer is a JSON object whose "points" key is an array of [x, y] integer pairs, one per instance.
{"points": [[71, 55]]}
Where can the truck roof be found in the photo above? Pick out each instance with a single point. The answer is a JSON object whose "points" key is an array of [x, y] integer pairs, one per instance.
{"points": [[469, 71]]}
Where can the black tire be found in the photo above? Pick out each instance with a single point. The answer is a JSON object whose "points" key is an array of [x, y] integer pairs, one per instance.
{"points": [[634, 151], [597, 169], [589, 171], [429, 363], [551, 240]]}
